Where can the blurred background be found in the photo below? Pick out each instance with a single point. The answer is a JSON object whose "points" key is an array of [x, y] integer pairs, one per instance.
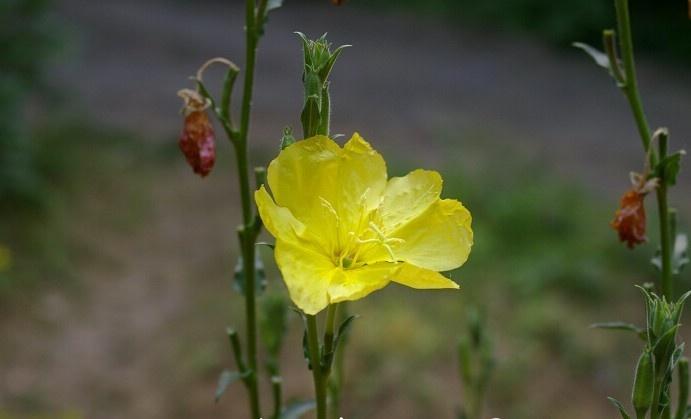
{"points": [[116, 261]]}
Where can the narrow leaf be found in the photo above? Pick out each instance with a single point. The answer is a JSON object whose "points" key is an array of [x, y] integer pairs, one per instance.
{"points": [[598, 56], [344, 328], [306, 350], [259, 275], [668, 168], [621, 409], [297, 409], [620, 326], [226, 379]]}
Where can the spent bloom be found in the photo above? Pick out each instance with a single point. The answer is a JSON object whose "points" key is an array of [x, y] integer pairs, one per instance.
{"points": [[197, 138], [629, 219], [343, 230]]}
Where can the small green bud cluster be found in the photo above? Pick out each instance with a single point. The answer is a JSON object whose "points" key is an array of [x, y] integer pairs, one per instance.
{"points": [[318, 63]]}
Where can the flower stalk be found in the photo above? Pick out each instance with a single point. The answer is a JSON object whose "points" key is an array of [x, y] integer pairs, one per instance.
{"points": [[198, 150], [662, 355]]}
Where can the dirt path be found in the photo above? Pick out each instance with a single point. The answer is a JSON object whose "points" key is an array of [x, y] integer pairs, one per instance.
{"points": [[409, 85]]}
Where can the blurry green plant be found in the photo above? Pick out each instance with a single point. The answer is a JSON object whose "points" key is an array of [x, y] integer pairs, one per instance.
{"points": [[27, 38], [662, 354], [475, 364]]}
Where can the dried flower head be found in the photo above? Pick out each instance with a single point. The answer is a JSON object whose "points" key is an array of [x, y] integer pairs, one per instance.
{"points": [[629, 219], [197, 141]]}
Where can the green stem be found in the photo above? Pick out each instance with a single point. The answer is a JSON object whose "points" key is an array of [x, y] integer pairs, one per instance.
{"points": [[276, 387], [248, 232], [631, 86], [631, 90], [665, 242], [337, 376], [329, 330], [318, 375]]}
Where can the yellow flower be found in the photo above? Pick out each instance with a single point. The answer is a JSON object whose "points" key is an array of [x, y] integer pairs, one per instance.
{"points": [[343, 231]]}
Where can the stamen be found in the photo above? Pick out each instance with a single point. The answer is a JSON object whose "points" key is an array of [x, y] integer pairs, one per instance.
{"points": [[326, 204]]}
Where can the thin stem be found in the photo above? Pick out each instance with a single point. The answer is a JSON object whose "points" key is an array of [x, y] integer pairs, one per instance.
{"points": [[633, 95], [631, 86], [317, 372], [241, 149], [329, 330], [237, 350], [248, 233], [337, 376], [665, 242], [276, 387], [247, 237]]}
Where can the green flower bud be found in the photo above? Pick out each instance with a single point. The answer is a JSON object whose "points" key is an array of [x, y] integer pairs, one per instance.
{"points": [[642, 394], [287, 138]]}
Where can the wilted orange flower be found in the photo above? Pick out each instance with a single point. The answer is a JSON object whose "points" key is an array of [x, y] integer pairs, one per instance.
{"points": [[629, 220], [197, 138]]}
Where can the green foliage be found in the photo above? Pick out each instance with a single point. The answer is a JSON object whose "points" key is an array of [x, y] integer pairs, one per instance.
{"points": [[26, 40], [536, 214], [36, 237], [476, 363]]}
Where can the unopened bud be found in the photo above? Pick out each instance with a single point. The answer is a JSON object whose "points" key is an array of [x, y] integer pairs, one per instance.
{"points": [[642, 394]]}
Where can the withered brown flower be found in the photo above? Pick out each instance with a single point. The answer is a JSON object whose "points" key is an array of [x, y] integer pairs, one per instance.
{"points": [[197, 141], [629, 219]]}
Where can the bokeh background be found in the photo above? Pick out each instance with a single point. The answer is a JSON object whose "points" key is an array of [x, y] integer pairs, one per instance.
{"points": [[116, 261]]}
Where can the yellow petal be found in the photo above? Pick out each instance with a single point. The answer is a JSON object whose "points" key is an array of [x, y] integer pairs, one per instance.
{"points": [[405, 198], [307, 274], [302, 173], [353, 284], [328, 188], [362, 176], [279, 221], [414, 277], [439, 239]]}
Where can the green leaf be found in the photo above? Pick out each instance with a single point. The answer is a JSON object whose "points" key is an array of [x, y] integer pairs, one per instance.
{"points": [[343, 329], [226, 379], [328, 66], [598, 56], [295, 410], [668, 168], [341, 334], [259, 275], [621, 409], [464, 361], [620, 326], [306, 350]]}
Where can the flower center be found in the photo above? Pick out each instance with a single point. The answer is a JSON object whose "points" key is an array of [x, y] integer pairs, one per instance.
{"points": [[367, 235]]}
